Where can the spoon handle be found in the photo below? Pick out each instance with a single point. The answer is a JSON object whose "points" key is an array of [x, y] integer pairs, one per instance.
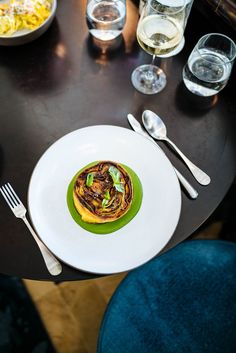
{"points": [[199, 175], [187, 186]]}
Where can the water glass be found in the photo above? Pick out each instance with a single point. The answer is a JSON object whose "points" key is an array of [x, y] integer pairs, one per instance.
{"points": [[209, 65], [106, 18]]}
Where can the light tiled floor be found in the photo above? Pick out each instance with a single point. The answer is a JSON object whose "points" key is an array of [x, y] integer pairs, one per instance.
{"points": [[72, 311]]}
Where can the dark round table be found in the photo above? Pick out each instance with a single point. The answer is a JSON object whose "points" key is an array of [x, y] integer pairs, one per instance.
{"points": [[64, 81]]}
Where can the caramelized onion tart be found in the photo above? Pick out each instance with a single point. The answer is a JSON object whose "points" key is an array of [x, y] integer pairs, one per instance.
{"points": [[103, 192]]}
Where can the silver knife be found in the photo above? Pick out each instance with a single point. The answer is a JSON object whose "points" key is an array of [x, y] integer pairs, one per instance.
{"points": [[137, 127]]}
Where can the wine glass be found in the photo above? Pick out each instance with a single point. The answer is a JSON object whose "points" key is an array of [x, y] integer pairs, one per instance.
{"points": [[159, 31], [177, 50]]}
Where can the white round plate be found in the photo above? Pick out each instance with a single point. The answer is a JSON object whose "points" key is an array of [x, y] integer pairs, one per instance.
{"points": [[134, 244]]}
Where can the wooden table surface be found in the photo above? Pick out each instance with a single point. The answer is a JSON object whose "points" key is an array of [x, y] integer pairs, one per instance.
{"points": [[64, 81]]}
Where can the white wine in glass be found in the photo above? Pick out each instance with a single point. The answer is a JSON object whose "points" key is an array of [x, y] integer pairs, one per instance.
{"points": [[159, 36], [159, 32]]}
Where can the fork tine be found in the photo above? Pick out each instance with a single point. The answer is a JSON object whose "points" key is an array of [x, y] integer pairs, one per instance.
{"points": [[3, 192], [8, 195], [14, 193], [11, 196]]}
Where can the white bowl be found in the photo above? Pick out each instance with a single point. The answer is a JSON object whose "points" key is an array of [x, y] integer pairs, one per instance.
{"points": [[25, 36]]}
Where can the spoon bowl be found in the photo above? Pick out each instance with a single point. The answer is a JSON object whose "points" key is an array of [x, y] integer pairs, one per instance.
{"points": [[154, 125], [157, 129]]}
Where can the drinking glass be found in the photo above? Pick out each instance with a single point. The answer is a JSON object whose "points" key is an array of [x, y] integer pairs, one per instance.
{"points": [[209, 65], [159, 31], [106, 18]]}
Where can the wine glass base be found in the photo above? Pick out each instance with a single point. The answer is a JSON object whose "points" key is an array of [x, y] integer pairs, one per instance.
{"points": [[148, 79]]}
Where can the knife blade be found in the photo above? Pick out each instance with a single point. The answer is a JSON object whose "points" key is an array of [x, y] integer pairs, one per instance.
{"points": [[137, 127]]}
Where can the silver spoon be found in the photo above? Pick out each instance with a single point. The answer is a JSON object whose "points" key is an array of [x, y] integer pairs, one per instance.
{"points": [[184, 182], [157, 129]]}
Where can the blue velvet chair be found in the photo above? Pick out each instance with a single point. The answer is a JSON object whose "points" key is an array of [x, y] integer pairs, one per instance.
{"points": [[182, 301]]}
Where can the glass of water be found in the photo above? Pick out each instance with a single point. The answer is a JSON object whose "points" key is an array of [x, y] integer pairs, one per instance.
{"points": [[106, 18], [209, 65]]}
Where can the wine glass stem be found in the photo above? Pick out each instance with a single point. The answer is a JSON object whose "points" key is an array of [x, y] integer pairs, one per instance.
{"points": [[150, 77], [153, 59]]}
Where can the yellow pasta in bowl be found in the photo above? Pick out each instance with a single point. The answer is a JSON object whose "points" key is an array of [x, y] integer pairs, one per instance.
{"points": [[22, 21]]}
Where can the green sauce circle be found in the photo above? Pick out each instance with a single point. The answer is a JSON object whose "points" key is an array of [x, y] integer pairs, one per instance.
{"points": [[106, 228]]}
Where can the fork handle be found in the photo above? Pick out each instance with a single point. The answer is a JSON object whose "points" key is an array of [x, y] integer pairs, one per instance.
{"points": [[53, 265]]}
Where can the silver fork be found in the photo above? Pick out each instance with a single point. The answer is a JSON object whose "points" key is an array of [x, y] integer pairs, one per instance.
{"points": [[19, 210]]}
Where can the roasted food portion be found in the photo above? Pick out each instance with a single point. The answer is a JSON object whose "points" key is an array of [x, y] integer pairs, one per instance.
{"points": [[103, 192]]}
